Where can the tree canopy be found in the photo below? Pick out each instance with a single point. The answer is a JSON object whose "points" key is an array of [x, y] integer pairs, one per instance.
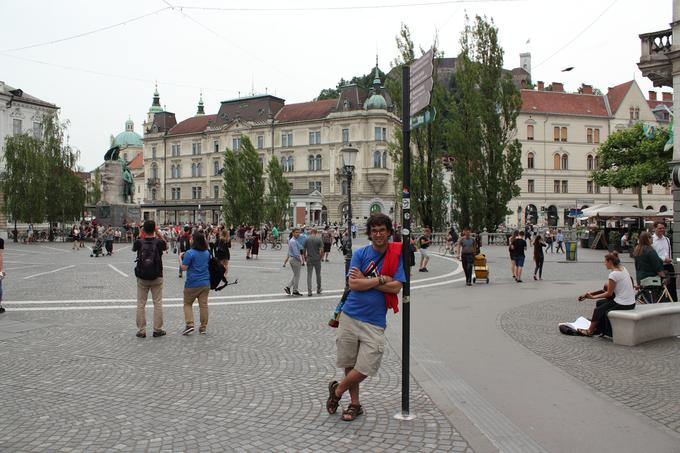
{"points": [[278, 194], [628, 158], [243, 185]]}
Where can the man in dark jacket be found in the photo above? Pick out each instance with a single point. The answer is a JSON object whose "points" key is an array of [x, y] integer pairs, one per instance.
{"points": [[149, 272]]}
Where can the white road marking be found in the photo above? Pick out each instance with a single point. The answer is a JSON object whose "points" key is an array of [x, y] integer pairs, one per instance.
{"points": [[52, 248], [50, 272], [256, 267], [25, 267], [118, 270], [123, 248]]}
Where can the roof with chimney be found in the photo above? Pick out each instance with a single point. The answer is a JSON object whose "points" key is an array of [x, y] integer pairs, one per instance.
{"points": [[195, 124], [561, 103], [17, 94], [616, 94]]}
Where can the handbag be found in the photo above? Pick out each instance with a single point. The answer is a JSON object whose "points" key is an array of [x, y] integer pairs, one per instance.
{"points": [[335, 317]]}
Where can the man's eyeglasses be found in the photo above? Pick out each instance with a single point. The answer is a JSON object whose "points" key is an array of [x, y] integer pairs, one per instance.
{"points": [[379, 232]]}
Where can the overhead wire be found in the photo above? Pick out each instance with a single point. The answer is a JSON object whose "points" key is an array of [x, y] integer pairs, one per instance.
{"points": [[87, 33], [338, 8]]}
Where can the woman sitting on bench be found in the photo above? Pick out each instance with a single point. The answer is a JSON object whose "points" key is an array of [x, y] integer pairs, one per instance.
{"points": [[618, 294]]}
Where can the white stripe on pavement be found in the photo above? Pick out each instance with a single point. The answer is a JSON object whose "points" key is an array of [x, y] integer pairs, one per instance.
{"points": [[118, 270], [50, 272]]}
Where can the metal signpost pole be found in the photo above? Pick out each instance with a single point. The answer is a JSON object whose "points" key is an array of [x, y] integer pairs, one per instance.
{"points": [[348, 250], [406, 246]]}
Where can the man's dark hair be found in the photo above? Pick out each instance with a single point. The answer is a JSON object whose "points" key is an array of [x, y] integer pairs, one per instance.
{"points": [[149, 226], [187, 228], [378, 219], [656, 224], [198, 241]]}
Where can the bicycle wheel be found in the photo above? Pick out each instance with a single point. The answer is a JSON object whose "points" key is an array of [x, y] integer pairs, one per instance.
{"points": [[277, 246], [263, 245]]}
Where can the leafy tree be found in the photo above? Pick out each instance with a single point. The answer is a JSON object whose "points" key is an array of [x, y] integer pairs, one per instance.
{"points": [[485, 156], [96, 194], [243, 185], [278, 193], [629, 159], [428, 193], [23, 178]]}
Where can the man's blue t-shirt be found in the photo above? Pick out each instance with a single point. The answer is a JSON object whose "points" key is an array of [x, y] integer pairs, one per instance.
{"points": [[369, 306], [301, 240], [197, 274]]}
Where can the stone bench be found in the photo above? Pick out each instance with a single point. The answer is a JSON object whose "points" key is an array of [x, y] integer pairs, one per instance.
{"points": [[645, 323]]}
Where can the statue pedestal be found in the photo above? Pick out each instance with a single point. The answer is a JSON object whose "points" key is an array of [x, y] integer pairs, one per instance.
{"points": [[118, 214]]}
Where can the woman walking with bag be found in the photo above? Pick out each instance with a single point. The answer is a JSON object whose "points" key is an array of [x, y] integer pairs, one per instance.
{"points": [[197, 284]]}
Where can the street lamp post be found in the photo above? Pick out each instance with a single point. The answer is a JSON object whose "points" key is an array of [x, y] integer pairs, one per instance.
{"points": [[349, 156]]}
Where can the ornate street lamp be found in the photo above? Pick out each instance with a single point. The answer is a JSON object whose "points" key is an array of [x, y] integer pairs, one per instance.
{"points": [[349, 156]]}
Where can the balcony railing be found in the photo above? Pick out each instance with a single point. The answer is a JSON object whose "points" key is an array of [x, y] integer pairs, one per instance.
{"points": [[654, 62]]}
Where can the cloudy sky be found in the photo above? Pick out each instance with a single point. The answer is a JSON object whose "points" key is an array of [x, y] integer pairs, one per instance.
{"points": [[99, 61]]}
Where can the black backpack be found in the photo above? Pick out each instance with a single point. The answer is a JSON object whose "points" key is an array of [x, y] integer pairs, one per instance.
{"points": [[216, 271], [149, 265]]}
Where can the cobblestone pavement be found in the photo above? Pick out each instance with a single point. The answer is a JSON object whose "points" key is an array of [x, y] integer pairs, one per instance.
{"points": [[644, 377], [74, 378]]}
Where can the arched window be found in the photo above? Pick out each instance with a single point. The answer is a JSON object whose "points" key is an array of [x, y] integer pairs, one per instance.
{"points": [[199, 170], [154, 171], [556, 162], [565, 162], [317, 161], [310, 162], [179, 171], [376, 159], [589, 162], [284, 164], [343, 187], [530, 160], [291, 163], [384, 159]]}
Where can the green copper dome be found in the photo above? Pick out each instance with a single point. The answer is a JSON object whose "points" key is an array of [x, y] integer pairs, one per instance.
{"points": [[376, 100], [129, 137]]}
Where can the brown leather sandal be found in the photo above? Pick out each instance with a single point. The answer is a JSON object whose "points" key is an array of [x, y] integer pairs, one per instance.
{"points": [[352, 412], [333, 401]]}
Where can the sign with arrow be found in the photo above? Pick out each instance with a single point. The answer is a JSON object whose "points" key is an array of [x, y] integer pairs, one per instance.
{"points": [[421, 81]]}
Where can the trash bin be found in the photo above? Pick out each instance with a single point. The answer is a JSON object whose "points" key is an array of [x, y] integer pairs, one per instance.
{"points": [[571, 250]]}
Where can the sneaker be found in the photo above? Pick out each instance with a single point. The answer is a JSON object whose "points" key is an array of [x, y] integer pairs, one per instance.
{"points": [[424, 269], [140, 334], [202, 330], [309, 294], [535, 278], [468, 283], [296, 293], [287, 290], [187, 330], [158, 333], [318, 291]]}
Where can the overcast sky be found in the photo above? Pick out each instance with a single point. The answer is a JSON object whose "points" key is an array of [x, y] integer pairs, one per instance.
{"points": [[292, 49]]}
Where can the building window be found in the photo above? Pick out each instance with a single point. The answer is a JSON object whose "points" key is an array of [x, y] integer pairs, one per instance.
{"points": [[284, 164], [565, 162], [315, 138], [216, 146], [563, 134], [16, 127], [236, 144], [384, 159], [597, 188], [565, 186], [317, 162], [590, 162], [556, 162], [260, 159], [174, 149], [589, 186], [153, 152], [635, 190], [216, 167], [310, 162], [345, 135], [315, 185], [153, 194], [196, 148], [216, 192], [556, 133], [172, 171], [650, 189], [530, 186], [196, 193], [286, 139], [530, 132], [589, 135], [381, 134], [260, 141], [291, 163], [596, 135], [556, 186], [530, 160], [37, 130], [637, 113], [631, 111], [377, 159]]}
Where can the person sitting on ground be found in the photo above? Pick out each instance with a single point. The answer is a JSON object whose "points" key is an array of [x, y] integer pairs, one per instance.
{"points": [[618, 294]]}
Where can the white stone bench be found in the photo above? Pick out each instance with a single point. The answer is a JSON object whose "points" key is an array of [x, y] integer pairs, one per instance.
{"points": [[645, 323]]}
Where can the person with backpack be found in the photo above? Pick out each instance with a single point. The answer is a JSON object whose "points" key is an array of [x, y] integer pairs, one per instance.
{"points": [[149, 273], [184, 243], [327, 239], [195, 262]]}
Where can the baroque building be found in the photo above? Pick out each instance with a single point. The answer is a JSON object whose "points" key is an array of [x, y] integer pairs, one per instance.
{"points": [[183, 161], [560, 133]]}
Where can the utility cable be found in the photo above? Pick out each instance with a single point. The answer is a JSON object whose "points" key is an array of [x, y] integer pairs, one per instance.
{"points": [[336, 8], [87, 33]]}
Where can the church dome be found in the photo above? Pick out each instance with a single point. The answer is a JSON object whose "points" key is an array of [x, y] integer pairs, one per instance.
{"points": [[376, 101], [129, 137]]}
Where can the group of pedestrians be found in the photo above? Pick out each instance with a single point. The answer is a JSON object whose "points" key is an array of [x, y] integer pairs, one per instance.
{"points": [[309, 250]]}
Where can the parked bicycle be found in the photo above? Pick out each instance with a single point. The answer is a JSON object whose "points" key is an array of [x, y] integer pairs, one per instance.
{"points": [[273, 243]]}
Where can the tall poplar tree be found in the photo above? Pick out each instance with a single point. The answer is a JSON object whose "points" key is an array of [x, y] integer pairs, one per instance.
{"points": [[243, 185], [278, 193]]}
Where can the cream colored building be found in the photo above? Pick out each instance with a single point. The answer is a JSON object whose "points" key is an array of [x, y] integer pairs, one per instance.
{"points": [[182, 161], [560, 133]]}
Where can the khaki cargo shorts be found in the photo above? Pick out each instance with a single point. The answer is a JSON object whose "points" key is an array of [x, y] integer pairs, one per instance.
{"points": [[360, 345]]}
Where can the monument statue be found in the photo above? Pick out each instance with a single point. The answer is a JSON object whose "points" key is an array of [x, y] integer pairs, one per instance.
{"points": [[117, 205]]}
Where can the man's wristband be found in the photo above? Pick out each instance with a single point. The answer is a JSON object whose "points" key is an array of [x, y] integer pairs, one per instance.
{"points": [[381, 279]]}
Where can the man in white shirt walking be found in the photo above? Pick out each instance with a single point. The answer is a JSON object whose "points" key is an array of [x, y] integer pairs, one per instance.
{"points": [[662, 246]]}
